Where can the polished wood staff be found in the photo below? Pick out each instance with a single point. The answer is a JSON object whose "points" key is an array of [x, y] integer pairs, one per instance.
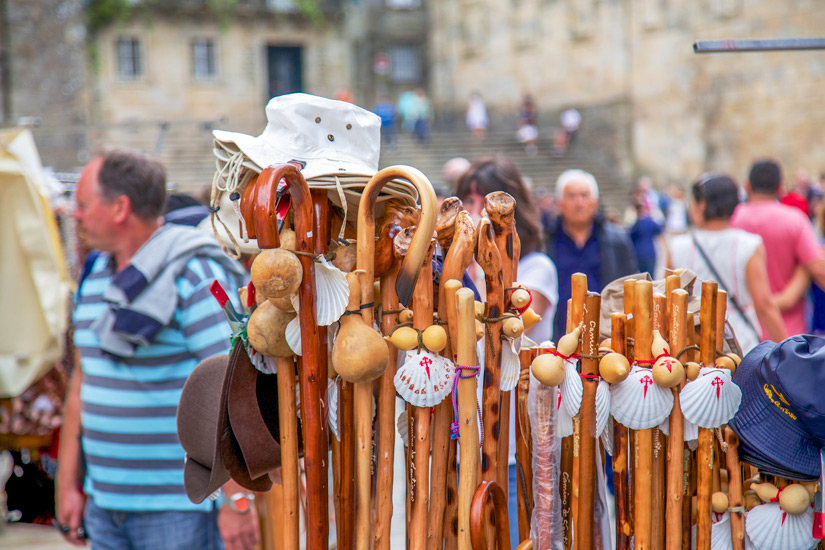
{"points": [[630, 331], [405, 282], [676, 490], [737, 516], [455, 232], [643, 470], [578, 292], [620, 446], [566, 467], [257, 209], [704, 454], [657, 530], [524, 444], [587, 455], [467, 410], [288, 419], [397, 217]]}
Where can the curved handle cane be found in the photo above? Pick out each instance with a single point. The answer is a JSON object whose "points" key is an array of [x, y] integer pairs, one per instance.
{"points": [[489, 489], [257, 209]]}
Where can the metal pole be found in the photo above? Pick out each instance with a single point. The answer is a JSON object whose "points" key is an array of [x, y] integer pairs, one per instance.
{"points": [[758, 45]]}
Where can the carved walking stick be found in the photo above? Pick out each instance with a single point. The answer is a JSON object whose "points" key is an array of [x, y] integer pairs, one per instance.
{"points": [[737, 519], [455, 235], [587, 455], [566, 466], [467, 409], [524, 445], [405, 282], [620, 448], [643, 470], [704, 454], [657, 531], [257, 208], [676, 490], [492, 491], [577, 296], [288, 418]]}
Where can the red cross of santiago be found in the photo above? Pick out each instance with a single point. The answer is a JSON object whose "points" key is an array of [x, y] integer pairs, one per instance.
{"points": [[646, 381], [718, 383], [426, 362]]}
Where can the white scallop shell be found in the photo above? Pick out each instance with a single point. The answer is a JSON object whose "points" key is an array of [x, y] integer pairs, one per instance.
{"points": [[691, 430], [564, 422], [712, 399], [571, 389], [770, 528], [720, 533], [510, 364], [403, 426], [607, 437], [332, 408], [293, 335], [638, 402], [425, 379], [264, 363], [602, 406], [331, 293]]}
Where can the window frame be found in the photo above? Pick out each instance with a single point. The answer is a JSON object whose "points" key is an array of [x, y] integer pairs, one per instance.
{"points": [[210, 44], [137, 61]]}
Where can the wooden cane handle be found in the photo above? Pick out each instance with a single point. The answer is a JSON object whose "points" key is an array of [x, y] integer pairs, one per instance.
{"points": [[489, 490]]}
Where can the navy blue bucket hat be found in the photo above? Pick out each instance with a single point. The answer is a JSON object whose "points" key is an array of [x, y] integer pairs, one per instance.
{"points": [[781, 421]]}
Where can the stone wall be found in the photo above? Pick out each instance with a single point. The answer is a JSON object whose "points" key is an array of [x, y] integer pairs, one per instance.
{"points": [[685, 113]]}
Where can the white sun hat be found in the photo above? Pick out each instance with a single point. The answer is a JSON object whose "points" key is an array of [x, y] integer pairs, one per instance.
{"points": [[336, 144]]}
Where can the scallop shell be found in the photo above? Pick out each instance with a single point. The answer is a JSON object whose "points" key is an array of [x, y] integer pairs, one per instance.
{"points": [[607, 437], [402, 423], [691, 431], [564, 422], [425, 379], [770, 528], [263, 363], [602, 406], [332, 408], [293, 335], [510, 364], [331, 293], [571, 389], [720, 534], [712, 399], [638, 402]]}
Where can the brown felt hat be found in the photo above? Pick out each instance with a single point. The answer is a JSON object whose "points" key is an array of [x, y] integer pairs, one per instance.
{"points": [[199, 414]]}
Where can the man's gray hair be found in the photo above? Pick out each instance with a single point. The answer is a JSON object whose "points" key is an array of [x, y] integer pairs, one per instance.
{"points": [[576, 175], [136, 175]]}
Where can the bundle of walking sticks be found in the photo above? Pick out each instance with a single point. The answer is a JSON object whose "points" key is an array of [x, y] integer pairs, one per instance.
{"points": [[364, 320]]}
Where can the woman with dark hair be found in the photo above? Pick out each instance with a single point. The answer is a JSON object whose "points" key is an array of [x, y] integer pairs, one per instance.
{"points": [[735, 259], [536, 270]]}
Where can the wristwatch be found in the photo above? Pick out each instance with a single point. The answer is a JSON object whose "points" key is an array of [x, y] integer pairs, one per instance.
{"points": [[240, 502]]}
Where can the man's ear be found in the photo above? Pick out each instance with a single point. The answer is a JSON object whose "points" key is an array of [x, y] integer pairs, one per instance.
{"points": [[748, 189], [122, 208]]}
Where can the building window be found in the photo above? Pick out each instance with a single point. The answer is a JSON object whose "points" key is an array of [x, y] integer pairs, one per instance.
{"points": [[284, 6], [129, 62], [204, 60], [403, 4], [405, 64]]}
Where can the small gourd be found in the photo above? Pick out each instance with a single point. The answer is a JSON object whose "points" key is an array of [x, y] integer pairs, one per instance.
{"points": [[530, 318], [736, 359], [548, 369], [692, 370], [725, 362], [405, 316], [266, 330], [519, 298], [359, 353], [287, 238], [283, 303], [750, 500], [479, 330], [569, 343], [765, 491], [810, 486], [659, 345], [606, 343], [276, 273], [479, 309], [794, 499], [434, 338], [719, 502], [614, 368], [344, 255], [668, 372], [512, 327], [403, 338]]}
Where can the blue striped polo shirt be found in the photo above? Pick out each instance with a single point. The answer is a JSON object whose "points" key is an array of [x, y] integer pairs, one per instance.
{"points": [[134, 461]]}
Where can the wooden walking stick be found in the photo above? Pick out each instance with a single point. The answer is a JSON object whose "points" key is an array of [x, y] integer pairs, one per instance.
{"points": [[643, 471], [257, 209], [620, 448], [577, 295], [629, 306], [657, 532], [397, 217], [737, 513], [488, 257], [455, 235], [501, 210], [566, 467], [524, 445], [467, 409], [587, 454], [489, 490], [345, 497], [676, 490], [405, 282], [288, 419], [704, 454]]}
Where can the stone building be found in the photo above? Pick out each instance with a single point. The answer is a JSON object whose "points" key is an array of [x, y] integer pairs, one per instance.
{"points": [[630, 69]]}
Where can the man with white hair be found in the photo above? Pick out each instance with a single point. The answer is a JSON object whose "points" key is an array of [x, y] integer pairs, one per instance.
{"points": [[582, 241]]}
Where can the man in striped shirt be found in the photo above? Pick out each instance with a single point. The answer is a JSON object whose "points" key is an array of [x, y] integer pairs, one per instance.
{"points": [[144, 319]]}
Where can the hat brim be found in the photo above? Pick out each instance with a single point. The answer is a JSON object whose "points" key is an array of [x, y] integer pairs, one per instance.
{"points": [[200, 481], [771, 439]]}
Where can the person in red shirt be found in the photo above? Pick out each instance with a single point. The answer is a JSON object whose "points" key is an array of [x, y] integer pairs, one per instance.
{"points": [[789, 238]]}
